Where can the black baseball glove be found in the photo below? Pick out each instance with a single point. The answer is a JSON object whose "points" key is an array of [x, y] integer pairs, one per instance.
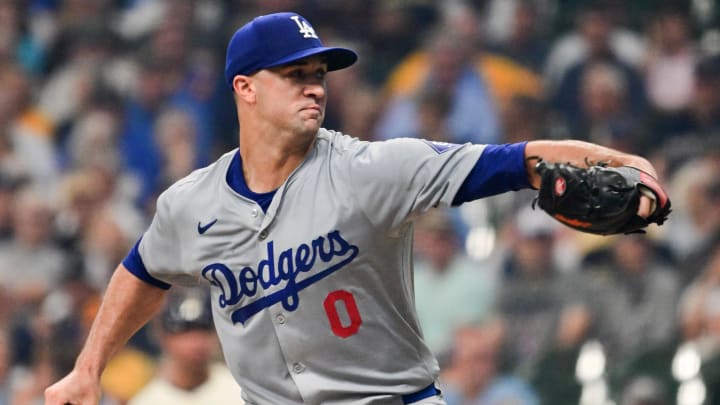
{"points": [[599, 199]]}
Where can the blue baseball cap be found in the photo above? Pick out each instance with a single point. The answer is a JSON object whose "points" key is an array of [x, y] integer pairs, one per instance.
{"points": [[275, 39]]}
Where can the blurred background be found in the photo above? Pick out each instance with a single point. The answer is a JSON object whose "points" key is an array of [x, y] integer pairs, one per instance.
{"points": [[104, 103]]}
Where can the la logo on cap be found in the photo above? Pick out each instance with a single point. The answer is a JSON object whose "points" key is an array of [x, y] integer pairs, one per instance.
{"points": [[305, 28]]}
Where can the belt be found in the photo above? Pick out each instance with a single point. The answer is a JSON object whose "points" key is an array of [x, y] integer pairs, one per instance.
{"points": [[427, 392]]}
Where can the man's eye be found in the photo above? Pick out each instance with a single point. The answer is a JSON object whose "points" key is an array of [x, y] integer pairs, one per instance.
{"points": [[301, 74]]}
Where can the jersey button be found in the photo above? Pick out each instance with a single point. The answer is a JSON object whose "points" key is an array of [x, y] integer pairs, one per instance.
{"points": [[298, 368], [280, 318], [263, 235], [254, 213]]}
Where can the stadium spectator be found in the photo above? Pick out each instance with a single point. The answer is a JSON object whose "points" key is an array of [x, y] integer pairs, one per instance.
{"points": [[139, 150], [656, 363], [525, 43], [604, 114], [473, 377], [696, 211], [694, 131], [392, 34], [596, 29], [595, 24], [187, 373], [109, 234], [89, 65], [534, 291], [453, 61], [356, 116], [450, 289], [175, 133], [632, 293], [671, 59], [695, 295], [446, 66], [31, 264], [26, 134], [554, 376]]}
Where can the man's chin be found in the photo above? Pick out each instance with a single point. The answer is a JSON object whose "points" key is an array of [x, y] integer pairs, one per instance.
{"points": [[312, 126], [307, 131]]}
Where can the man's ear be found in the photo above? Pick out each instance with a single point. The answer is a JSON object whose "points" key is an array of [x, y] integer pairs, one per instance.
{"points": [[243, 88]]}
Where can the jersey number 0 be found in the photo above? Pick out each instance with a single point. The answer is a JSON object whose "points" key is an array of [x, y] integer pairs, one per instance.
{"points": [[331, 309]]}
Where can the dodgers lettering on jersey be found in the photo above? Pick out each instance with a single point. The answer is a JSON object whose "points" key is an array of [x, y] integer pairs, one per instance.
{"points": [[325, 270], [271, 272]]}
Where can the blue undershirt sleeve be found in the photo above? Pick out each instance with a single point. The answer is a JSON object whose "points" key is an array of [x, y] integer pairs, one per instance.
{"points": [[500, 168], [134, 263]]}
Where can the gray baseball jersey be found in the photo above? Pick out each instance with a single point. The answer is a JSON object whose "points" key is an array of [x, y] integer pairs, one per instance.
{"points": [[313, 300]]}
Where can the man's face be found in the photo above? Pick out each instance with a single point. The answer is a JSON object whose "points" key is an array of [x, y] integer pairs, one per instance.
{"points": [[293, 96], [194, 347]]}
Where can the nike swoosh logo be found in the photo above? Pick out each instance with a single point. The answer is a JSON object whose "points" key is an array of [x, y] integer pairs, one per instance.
{"points": [[203, 228]]}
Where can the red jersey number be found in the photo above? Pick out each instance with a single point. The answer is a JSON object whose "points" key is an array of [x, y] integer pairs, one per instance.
{"points": [[331, 309]]}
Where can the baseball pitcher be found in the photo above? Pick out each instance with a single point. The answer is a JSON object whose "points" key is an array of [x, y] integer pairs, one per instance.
{"points": [[304, 236]]}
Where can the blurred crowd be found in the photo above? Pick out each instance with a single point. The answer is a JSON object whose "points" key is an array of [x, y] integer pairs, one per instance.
{"points": [[104, 103]]}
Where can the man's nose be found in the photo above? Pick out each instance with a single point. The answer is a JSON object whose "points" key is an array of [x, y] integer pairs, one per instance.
{"points": [[316, 90]]}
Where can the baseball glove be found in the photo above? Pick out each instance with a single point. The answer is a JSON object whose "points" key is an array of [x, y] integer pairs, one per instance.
{"points": [[599, 199]]}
